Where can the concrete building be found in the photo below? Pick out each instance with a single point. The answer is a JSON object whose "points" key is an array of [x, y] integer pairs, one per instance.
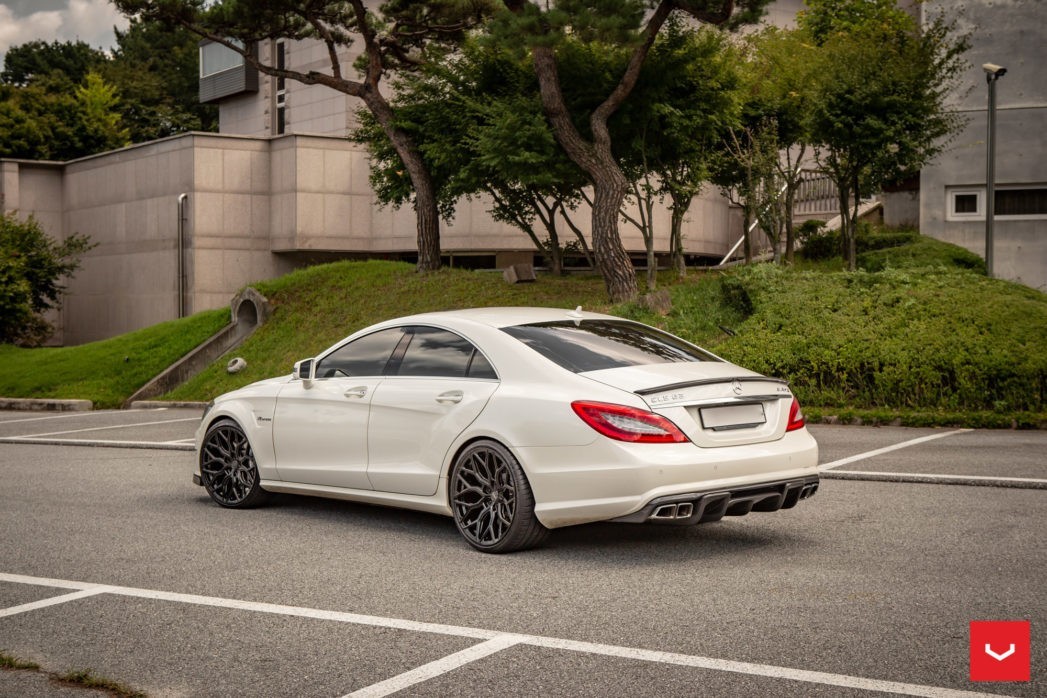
{"points": [[183, 223], [952, 192]]}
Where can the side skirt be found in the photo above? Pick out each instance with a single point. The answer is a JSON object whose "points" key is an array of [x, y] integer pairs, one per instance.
{"points": [[435, 504]]}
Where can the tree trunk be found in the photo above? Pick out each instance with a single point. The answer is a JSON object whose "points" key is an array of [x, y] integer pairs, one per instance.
{"points": [[612, 261], [609, 184], [427, 212], [676, 236], [586, 252], [428, 222], [846, 232], [747, 245], [852, 253], [652, 261]]}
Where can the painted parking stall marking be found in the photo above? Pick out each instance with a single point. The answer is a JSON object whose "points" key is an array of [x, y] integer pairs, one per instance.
{"points": [[887, 449], [491, 643], [115, 426], [156, 428]]}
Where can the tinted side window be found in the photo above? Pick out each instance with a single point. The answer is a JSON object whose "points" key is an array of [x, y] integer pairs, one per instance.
{"points": [[366, 356], [480, 367], [593, 345], [443, 354]]}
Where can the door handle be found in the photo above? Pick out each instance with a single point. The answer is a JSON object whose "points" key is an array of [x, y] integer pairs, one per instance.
{"points": [[359, 391], [454, 396]]}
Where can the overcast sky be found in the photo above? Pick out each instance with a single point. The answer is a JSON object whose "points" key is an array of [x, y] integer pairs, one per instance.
{"points": [[90, 21]]}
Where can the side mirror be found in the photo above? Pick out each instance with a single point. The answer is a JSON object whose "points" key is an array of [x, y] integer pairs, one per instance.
{"points": [[303, 371]]}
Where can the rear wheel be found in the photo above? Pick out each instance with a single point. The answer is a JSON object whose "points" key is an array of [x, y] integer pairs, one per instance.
{"points": [[492, 501], [227, 467]]}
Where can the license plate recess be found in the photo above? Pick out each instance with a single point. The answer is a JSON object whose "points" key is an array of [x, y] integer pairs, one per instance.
{"points": [[725, 417]]}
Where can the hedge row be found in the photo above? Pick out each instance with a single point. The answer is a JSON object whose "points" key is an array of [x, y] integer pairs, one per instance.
{"points": [[931, 339]]}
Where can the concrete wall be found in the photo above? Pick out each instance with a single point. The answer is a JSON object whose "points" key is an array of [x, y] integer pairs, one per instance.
{"points": [[1012, 34], [35, 188], [126, 201], [229, 219]]}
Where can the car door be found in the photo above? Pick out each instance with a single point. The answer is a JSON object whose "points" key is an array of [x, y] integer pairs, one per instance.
{"points": [[438, 387], [320, 425]]}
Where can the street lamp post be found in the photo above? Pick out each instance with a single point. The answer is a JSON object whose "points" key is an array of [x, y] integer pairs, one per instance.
{"points": [[993, 73]]}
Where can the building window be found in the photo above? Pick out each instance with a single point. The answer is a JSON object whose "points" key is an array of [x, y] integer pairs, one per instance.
{"points": [[224, 72], [1021, 202], [965, 204], [281, 89], [1015, 203], [217, 58]]}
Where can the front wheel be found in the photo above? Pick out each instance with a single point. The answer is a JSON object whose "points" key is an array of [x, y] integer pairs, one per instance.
{"points": [[492, 501], [227, 467]]}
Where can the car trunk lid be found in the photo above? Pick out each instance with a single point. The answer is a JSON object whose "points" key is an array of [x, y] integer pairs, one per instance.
{"points": [[714, 404]]}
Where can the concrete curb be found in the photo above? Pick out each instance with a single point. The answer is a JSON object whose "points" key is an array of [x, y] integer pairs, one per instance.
{"points": [[43, 405], [158, 404], [143, 445], [968, 481]]}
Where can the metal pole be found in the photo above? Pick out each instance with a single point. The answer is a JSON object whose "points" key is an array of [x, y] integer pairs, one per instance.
{"points": [[993, 73], [990, 175], [180, 266]]}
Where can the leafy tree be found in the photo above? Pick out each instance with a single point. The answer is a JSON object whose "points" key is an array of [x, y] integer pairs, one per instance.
{"points": [[32, 266], [670, 128], [635, 25], [45, 121], [99, 109], [882, 82], [399, 35], [748, 175], [780, 81], [28, 62], [156, 69], [55, 104], [480, 128]]}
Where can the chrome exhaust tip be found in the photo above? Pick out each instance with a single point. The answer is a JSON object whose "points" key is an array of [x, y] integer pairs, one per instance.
{"points": [[666, 512]]}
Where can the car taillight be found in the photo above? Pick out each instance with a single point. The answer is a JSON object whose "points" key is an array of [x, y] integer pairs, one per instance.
{"points": [[624, 423], [796, 420]]}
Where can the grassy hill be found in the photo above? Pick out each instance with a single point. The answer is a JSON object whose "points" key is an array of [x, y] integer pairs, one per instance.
{"points": [[925, 339], [109, 371]]}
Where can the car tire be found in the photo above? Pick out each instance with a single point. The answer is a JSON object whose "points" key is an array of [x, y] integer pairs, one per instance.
{"points": [[227, 467], [491, 500]]}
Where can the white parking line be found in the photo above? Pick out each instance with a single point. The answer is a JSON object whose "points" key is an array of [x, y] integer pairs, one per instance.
{"points": [[114, 426], [64, 415], [888, 449], [437, 668], [496, 641], [52, 601]]}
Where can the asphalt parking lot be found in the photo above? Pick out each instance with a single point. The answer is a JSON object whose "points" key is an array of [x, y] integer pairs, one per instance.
{"points": [[112, 560]]}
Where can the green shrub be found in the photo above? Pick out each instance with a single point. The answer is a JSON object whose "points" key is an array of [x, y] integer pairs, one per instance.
{"points": [[819, 244], [922, 252], [735, 296], [932, 339]]}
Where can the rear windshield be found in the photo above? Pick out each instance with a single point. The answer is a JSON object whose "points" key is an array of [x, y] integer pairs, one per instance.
{"points": [[592, 345]]}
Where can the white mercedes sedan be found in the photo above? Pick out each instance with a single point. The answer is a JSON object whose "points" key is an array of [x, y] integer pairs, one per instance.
{"points": [[515, 421]]}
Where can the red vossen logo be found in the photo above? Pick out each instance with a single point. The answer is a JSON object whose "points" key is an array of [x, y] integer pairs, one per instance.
{"points": [[1000, 650]]}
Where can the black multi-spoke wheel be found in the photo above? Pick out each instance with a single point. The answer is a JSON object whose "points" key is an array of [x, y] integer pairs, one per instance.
{"points": [[492, 501], [227, 467]]}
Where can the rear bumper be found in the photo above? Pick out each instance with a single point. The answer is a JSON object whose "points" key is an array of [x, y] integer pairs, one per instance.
{"points": [[702, 507]]}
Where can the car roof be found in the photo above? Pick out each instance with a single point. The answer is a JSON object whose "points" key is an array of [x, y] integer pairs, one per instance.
{"points": [[505, 316]]}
